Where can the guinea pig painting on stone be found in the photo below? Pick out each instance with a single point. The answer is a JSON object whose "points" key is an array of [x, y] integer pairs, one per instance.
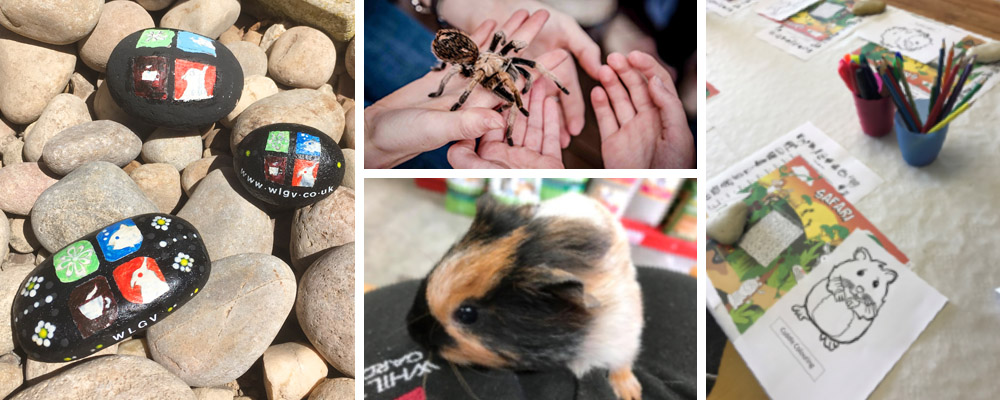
{"points": [[536, 287]]}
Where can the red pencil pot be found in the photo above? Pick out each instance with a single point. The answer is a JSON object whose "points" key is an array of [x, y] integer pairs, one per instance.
{"points": [[875, 115]]}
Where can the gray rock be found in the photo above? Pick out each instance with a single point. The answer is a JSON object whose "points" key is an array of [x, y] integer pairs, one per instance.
{"points": [[11, 278], [327, 224], [229, 223], [270, 35], [4, 236], [64, 111], [302, 57], [118, 19], [161, 183], [205, 17], [217, 336], [334, 389], [11, 375], [348, 181], [232, 35], [214, 393], [197, 171], [154, 5], [727, 225], [299, 106], [986, 53], [36, 371], [134, 347], [91, 197], [325, 307], [255, 87], [21, 184], [11, 152], [91, 141], [106, 108], [177, 148], [51, 21], [292, 370], [22, 238], [31, 74], [335, 17], [251, 58], [111, 377], [81, 87]]}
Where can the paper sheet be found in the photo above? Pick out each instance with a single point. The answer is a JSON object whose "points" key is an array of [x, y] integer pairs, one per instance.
{"points": [[779, 10], [917, 38], [710, 91], [727, 7], [813, 29], [847, 174], [820, 341]]}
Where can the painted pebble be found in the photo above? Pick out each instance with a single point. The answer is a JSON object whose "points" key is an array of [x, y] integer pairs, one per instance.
{"points": [[868, 7], [109, 285], [173, 78], [289, 165]]}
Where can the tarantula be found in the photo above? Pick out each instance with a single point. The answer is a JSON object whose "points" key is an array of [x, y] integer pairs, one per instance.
{"points": [[495, 71]]}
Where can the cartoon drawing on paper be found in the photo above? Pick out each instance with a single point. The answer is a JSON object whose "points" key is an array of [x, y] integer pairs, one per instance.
{"points": [[905, 39], [844, 304]]}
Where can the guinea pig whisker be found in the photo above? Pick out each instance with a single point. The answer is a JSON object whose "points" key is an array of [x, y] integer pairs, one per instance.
{"points": [[461, 380]]}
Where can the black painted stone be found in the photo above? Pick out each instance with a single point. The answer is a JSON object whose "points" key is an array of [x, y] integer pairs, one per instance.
{"points": [[289, 165], [109, 285], [176, 79]]}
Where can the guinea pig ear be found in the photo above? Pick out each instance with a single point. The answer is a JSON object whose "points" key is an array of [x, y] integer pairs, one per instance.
{"points": [[559, 284], [494, 220]]}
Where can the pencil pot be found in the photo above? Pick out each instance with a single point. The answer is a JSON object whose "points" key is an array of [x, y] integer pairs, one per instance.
{"points": [[919, 149], [875, 115]]}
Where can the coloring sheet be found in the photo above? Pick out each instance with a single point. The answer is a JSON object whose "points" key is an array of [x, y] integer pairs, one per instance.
{"points": [[797, 219], [813, 29], [779, 10], [727, 7], [838, 332], [848, 175], [917, 38], [710, 90]]}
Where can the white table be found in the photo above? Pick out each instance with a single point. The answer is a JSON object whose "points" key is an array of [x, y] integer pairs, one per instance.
{"points": [[942, 216]]}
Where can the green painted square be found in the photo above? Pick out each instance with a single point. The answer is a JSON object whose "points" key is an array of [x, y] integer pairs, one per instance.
{"points": [[155, 38], [278, 141], [75, 261]]}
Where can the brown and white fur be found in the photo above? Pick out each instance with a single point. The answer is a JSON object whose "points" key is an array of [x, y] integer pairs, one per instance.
{"points": [[534, 288]]}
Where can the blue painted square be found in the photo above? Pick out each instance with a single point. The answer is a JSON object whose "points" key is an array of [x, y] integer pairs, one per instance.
{"points": [[119, 240], [195, 43], [307, 145]]}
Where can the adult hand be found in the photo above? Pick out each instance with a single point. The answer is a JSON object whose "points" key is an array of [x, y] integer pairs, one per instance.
{"points": [[645, 125], [406, 123]]}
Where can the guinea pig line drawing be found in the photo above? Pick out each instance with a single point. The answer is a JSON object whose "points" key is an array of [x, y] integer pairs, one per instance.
{"points": [[533, 288]]}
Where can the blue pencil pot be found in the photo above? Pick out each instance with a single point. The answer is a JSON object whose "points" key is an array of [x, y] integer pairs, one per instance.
{"points": [[919, 149]]}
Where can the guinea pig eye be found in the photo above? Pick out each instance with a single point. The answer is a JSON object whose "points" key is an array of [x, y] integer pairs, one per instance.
{"points": [[861, 272], [466, 315]]}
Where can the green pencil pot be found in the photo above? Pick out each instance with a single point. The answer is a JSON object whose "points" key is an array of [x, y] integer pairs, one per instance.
{"points": [[919, 149]]}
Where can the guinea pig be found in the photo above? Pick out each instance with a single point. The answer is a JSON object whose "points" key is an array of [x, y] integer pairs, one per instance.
{"points": [[536, 287]]}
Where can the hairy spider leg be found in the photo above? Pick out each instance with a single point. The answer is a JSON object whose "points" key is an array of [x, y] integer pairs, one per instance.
{"points": [[516, 45], [528, 78], [508, 82], [476, 78], [439, 66], [540, 68], [444, 81], [498, 38], [508, 133]]}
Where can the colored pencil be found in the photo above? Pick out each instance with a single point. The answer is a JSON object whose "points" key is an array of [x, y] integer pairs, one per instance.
{"points": [[937, 79], [942, 95], [969, 96], [905, 108], [901, 74], [958, 86], [900, 104], [951, 117]]}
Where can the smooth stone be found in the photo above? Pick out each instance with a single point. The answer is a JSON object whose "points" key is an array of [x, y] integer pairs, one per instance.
{"points": [[335, 17], [64, 111], [334, 389], [214, 393], [11, 149], [347, 141], [230, 223], [18, 259], [4, 236], [253, 35], [161, 183], [727, 225], [35, 371], [106, 141], [232, 35], [300, 106], [89, 198], [111, 377], [302, 57], [11, 276], [134, 347], [325, 307], [196, 171], [154, 5], [252, 59], [205, 17], [218, 336], [986, 53], [109, 285], [22, 238], [321, 226], [348, 181], [106, 108], [270, 35], [292, 370], [80, 87], [175, 147], [31, 74], [174, 79], [11, 375], [51, 21], [289, 165], [255, 87], [349, 61], [118, 20], [868, 7], [21, 184]]}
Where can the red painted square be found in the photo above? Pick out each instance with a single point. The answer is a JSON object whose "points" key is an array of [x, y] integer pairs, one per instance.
{"points": [[193, 81], [140, 280], [415, 394], [304, 174]]}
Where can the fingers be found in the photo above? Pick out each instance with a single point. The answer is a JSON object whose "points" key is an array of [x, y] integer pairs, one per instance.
{"points": [[678, 149], [527, 31], [573, 107], [484, 32], [617, 94], [586, 51], [550, 130], [516, 20], [671, 108], [533, 135], [649, 67], [564, 138], [607, 124], [634, 81], [463, 155]]}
